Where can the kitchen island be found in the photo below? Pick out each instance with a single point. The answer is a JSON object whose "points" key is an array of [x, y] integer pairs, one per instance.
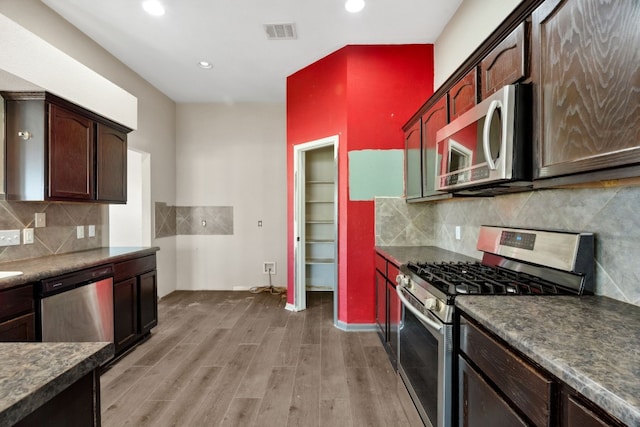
{"points": [[591, 343], [56, 382]]}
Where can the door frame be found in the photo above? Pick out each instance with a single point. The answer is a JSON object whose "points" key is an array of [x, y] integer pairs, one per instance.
{"points": [[299, 237]]}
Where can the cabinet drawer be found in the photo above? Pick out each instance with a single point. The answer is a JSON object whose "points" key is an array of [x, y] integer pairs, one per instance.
{"points": [[580, 416], [19, 329], [16, 301], [134, 267], [520, 382], [381, 264], [392, 272]]}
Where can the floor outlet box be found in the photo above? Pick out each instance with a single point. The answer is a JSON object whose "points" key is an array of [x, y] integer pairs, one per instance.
{"points": [[9, 237]]}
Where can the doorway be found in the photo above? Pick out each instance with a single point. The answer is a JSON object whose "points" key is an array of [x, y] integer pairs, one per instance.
{"points": [[316, 220], [130, 224]]}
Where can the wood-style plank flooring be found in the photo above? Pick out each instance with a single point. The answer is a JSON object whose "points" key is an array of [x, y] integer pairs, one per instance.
{"points": [[241, 359]]}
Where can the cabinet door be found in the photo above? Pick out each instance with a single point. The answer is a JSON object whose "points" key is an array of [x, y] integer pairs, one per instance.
{"points": [[148, 301], [479, 404], [463, 95], [125, 313], [20, 329], [505, 64], [381, 304], [111, 165], [585, 61], [432, 121], [412, 162], [580, 416], [71, 145]]}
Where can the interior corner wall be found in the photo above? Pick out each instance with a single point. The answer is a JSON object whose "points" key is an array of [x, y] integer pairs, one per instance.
{"points": [[365, 94], [156, 112], [231, 155]]}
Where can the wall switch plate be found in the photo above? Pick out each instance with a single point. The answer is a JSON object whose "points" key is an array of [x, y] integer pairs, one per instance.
{"points": [[41, 219], [9, 237], [92, 231], [269, 267], [80, 232], [458, 233], [27, 236]]}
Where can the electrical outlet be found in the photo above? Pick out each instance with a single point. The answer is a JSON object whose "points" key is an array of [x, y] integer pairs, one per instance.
{"points": [[80, 232], [92, 231], [269, 267], [41, 219], [9, 237], [27, 236], [458, 233]]}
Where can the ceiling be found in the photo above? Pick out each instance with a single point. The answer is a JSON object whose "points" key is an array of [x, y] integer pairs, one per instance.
{"points": [[247, 67]]}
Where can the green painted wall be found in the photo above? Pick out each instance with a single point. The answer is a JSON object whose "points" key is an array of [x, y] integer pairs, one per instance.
{"points": [[376, 173]]}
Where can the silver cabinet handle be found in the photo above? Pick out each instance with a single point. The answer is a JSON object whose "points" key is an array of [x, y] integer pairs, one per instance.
{"points": [[416, 312]]}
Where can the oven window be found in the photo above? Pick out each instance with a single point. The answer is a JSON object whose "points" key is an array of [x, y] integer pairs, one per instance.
{"points": [[419, 361]]}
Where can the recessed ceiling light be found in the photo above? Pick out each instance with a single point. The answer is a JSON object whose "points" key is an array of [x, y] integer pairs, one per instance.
{"points": [[354, 6], [205, 65], [153, 7]]}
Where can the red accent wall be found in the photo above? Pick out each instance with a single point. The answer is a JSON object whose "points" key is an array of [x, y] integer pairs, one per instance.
{"points": [[364, 94]]}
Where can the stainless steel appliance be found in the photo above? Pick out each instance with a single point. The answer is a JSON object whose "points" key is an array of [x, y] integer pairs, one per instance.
{"points": [[515, 262], [77, 307], [488, 148]]}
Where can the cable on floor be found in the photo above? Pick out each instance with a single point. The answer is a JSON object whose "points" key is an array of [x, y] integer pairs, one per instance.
{"points": [[274, 290]]}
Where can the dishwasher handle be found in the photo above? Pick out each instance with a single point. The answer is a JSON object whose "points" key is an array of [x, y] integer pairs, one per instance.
{"points": [[55, 285]]}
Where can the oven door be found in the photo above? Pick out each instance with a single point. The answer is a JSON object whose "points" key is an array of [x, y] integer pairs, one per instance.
{"points": [[424, 360]]}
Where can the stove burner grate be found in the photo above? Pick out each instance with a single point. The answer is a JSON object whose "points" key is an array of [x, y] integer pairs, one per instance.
{"points": [[481, 279]]}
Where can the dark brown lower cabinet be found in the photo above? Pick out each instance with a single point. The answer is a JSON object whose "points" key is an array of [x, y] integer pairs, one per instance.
{"points": [[125, 302], [17, 318], [481, 405], [498, 386], [135, 296], [76, 406], [148, 301], [19, 329], [387, 306]]}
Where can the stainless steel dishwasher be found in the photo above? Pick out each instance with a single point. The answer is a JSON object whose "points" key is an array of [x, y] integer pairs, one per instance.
{"points": [[77, 307]]}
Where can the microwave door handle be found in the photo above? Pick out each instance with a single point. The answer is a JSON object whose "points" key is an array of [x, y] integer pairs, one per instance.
{"points": [[416, 312], [486, 133]]}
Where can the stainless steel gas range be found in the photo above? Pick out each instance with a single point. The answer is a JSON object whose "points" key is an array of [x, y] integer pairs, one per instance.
{"points": [[515, 262]]}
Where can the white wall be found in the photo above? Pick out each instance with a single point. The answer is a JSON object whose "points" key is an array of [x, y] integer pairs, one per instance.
{"points": [[233, 155], [155, 133], [472, 23]]}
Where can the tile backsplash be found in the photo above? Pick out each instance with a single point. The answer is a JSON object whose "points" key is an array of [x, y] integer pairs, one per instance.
{"points": [[610, 213], [190, 220], [59, 235]]}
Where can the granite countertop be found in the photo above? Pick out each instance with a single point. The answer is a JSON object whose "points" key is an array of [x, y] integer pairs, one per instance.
{"points": [[33, 373], [35, 269], [592, 343], [402, 254]]}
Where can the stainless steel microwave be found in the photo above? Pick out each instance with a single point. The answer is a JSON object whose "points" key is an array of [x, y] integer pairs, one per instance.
{"points": [[488, 148]]}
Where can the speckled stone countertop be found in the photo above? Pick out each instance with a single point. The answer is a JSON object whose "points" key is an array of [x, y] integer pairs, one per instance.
{"points": [[33, 373], [402, 254], [591, 343], [35, 269]]}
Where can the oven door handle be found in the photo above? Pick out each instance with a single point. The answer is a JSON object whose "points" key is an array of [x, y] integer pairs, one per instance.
{"points": [[416, 312]]}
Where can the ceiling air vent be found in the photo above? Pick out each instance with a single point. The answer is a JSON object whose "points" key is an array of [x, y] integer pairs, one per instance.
{"points": [[281, 31]]}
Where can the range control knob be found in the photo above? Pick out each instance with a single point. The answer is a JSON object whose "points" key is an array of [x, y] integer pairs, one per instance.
{"points": [[432, 304], [402, 280]]}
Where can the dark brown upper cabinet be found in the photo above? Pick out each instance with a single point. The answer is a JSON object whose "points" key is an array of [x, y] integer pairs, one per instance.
{"points": [[463, 95], [505, 64], [586, 67], [58, 151], [432, 121], [412, 161]]}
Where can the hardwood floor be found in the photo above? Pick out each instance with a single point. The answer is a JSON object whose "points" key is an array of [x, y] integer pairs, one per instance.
{"points": [[240, 359]]}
